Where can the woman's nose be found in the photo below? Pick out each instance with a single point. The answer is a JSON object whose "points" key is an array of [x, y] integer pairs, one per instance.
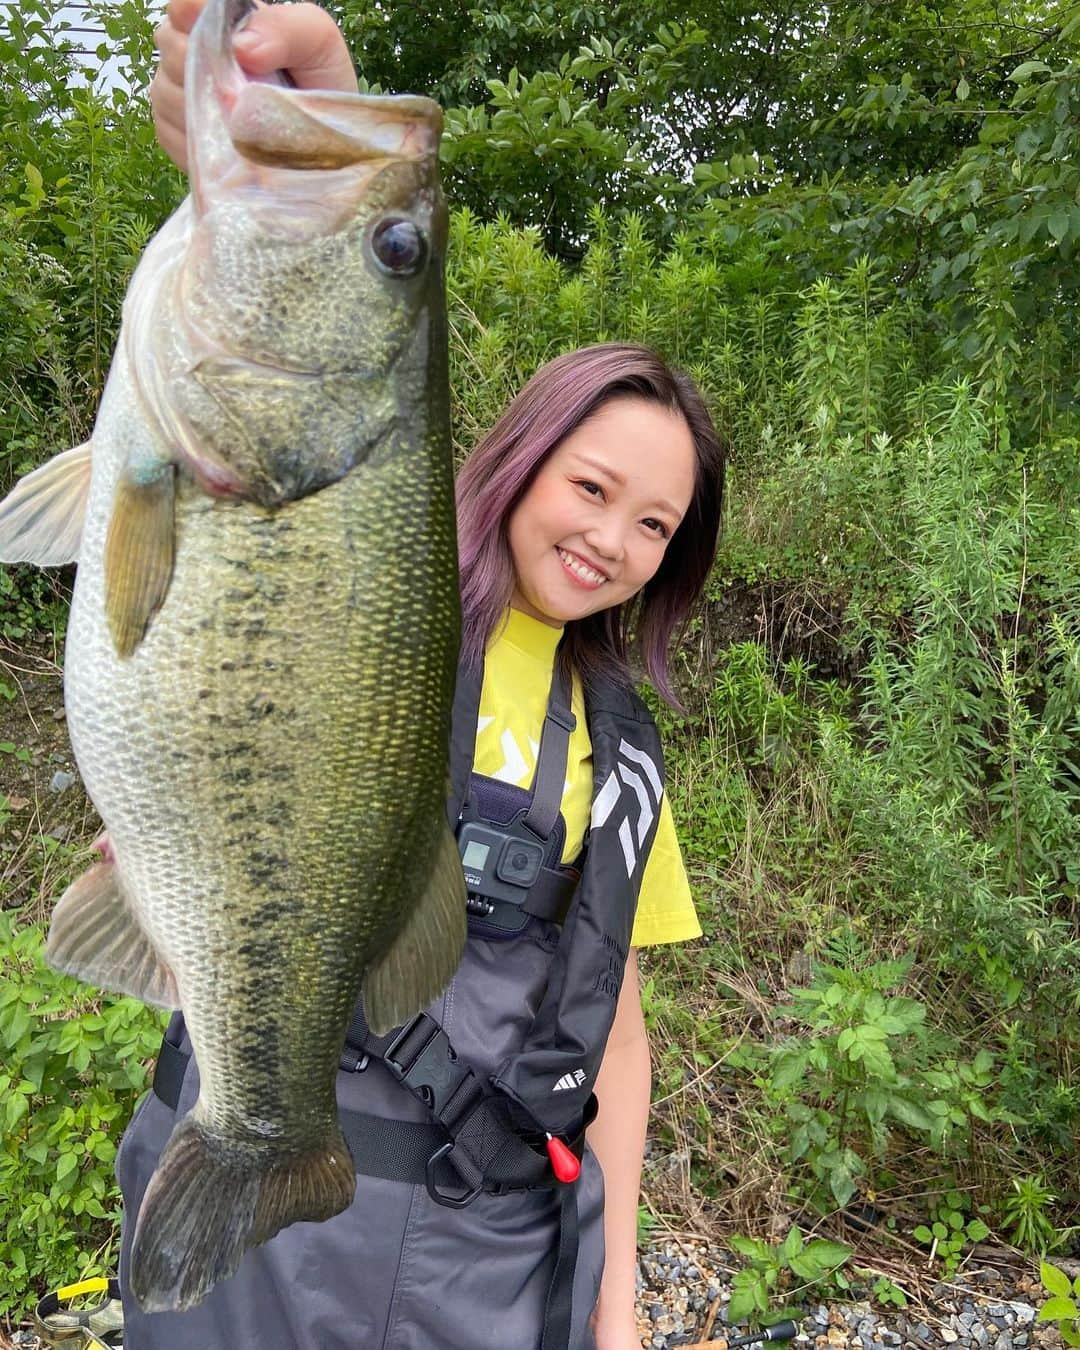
{"points": [[606, 539]]}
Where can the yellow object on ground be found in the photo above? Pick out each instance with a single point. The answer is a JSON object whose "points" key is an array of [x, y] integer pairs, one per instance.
{"points": [[98, 1328]]}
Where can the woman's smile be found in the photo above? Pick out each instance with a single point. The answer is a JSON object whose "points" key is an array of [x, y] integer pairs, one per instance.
{"points": [[579, 571]]}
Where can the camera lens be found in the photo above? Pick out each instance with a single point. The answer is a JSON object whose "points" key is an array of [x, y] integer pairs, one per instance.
{"points": [[519, 862]]}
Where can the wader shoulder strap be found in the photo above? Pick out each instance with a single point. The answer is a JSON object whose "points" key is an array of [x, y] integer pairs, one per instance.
{"points": [[550, 775]]}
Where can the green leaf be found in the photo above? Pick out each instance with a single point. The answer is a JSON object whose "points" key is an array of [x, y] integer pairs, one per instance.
{"points": [[790, 1069], [1056, 1309], [829, 1253], [749, 1296], [66, 1164], [841, 1184], [1055, 1280], [1024, 72], [752, 1248], [910, 1113], [977, 1231], [1058, 225], [807, 1268], [791, 1245]]}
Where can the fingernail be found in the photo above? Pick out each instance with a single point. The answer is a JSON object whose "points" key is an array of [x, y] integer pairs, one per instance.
{"points": [[248, 44]]}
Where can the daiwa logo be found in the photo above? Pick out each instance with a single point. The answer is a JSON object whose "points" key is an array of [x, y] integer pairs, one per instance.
{"points": [[569, 1081], [639, 773]]}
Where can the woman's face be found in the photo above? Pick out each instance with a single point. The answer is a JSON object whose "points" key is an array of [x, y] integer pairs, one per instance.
{"points": [[594, 524]]}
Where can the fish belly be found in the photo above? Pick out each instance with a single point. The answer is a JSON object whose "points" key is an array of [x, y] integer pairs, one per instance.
{"points": [[270, 761]]}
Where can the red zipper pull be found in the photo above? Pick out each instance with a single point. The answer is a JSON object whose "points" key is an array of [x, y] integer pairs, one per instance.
{"points": [[563, 1163]]}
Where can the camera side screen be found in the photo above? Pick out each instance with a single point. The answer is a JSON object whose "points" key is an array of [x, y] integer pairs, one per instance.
{"points": [[475, 855]]}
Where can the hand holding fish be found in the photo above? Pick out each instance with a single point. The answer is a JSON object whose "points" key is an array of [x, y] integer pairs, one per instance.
{"points": [[300, 38]]}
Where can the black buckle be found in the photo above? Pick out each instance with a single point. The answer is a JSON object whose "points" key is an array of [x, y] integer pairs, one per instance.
{"points": [[431, 1070], [442, 1197]]}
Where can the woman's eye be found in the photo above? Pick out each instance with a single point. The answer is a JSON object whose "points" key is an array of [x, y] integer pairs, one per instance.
{"points": [[593, 489], [658, 526]]}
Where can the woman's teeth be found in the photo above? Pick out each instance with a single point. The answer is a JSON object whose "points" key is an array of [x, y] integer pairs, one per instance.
{"points": [[579, 569]]}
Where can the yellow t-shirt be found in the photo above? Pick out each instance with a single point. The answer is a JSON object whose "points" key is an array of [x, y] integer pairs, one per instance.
{"points": [[513, 701]]}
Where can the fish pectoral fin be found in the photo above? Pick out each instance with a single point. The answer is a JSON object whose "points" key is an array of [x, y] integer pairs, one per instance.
{"points": [[95, 936], [423, 957], [139, 554], [41, 518]]}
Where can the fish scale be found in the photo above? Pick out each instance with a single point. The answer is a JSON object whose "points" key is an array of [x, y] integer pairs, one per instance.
{"points": [[263, 642]]}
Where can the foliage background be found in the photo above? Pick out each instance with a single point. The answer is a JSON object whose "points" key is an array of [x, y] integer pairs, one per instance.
{"points": [[856, 225]]}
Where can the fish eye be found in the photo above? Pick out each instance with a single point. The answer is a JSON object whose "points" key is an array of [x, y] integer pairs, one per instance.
{"points": [[399, 247]]}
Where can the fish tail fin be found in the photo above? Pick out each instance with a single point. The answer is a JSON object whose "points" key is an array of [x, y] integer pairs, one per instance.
{"points": [[208, 1202]]}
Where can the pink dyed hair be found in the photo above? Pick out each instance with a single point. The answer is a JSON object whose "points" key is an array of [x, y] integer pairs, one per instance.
{"points": [[498, 473]]}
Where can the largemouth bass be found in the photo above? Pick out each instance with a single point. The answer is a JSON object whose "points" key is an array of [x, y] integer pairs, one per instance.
{"points": [[263, 638]]}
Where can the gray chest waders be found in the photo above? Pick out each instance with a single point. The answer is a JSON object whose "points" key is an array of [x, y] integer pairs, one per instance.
{"points": [[522, 1126]]}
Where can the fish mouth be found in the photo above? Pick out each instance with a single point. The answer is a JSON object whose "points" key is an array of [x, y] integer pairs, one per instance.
{"points": [[270, 123], [234, 367]]}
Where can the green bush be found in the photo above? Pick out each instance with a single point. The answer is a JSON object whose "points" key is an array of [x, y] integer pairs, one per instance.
{"points": [[73, 1065]]}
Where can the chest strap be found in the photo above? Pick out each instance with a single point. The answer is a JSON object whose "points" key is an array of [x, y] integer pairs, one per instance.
{"points": [[481, 1143], [471, 1145]]}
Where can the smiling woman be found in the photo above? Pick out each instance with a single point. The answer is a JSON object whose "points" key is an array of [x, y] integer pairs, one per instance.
{"points": [[610, 456], [593, 527]]}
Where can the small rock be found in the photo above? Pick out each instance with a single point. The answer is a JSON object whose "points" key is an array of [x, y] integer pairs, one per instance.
{"points": [[922, 1331], [995, 1310], [948, 1335], [1025, 1313], [1004, 1341], [61, 781], [59, 714], [980, 1335]]}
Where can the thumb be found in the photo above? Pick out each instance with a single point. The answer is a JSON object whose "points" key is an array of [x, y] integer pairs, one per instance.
{"points": [[302, 39]]}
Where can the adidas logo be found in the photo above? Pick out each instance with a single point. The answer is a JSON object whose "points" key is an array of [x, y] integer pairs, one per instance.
{"points": [[569, 1081]]}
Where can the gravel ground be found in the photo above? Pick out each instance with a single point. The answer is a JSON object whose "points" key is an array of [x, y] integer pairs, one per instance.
{"points": [[684, 1286]]}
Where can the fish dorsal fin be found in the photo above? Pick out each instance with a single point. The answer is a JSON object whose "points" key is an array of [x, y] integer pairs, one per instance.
{"points": [[95, 936], [422, 959], [41, 518], [139, 553]]}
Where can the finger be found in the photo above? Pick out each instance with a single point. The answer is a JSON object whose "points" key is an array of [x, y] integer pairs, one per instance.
{"points": [[302, 39], [181, 14], [167, 102], [174, 143], [173, 45]]}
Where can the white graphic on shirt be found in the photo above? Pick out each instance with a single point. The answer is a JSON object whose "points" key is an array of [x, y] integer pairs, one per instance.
{"points": [[641, 803], [517, 768], [569, 1081], [514, 766]]}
